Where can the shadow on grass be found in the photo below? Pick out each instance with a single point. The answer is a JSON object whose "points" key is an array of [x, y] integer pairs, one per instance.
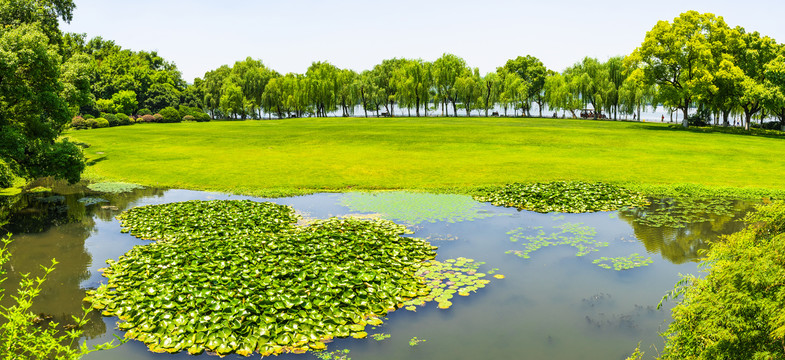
{"points": [[95, 161], [774, 134]]}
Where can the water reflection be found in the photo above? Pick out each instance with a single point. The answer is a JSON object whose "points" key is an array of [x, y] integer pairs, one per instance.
{"points": [[55, 224], [683, 230]]}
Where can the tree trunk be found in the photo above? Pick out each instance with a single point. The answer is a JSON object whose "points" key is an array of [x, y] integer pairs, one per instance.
{"points": [[684, 121], [454, 108], [418, 107], [747, 117], [725, 114]]}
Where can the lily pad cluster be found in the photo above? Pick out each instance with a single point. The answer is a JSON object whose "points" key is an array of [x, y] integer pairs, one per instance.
{"points": [[114, 187], [240, 277], [89, 200], [577, 235], [562, 196], [414, 208], [446, 279], [623, 263], [676, 212]]}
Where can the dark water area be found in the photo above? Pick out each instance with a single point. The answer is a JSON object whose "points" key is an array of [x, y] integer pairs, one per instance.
{"points": [[552, 305]]}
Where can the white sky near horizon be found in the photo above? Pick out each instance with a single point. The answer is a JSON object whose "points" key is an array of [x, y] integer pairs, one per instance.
{"points": [[201, 35]]}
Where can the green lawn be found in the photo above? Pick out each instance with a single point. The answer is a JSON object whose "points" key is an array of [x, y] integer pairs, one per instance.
{"points": [[439, 154]]}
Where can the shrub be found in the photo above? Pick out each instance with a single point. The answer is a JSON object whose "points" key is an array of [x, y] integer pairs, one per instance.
{"points": [[158, 118], [171, 115], [88, 116], [123, 119], [202, 116], [101, 123], [188, 118], [144, 111], [6, 176], [91, 123], [111, 118], [147, 118], [78, 122]]}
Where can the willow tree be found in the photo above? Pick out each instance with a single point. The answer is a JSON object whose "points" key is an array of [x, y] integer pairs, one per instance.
{"points": [[752, 59], [468, 88], [322, 83], [679, 58], [775, 82], [490, 86], [413, 81], [446, 71], [561, 93]]}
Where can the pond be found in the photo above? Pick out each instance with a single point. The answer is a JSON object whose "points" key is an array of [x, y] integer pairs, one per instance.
{"points": [[551, 304]]}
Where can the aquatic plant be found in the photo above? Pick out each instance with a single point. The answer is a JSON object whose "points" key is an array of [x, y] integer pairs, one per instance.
{"points": [[380, 336], [333, 355], [220, 284], [577, 235], [415, 341], [414, 208], [561, 196], [114, 187], [88, 200], [445, 279], [623, 263]]}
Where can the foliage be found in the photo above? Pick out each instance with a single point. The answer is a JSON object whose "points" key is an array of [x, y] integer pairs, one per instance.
{"points": [[561, 196], [170, 115], [123, 119], [6, 176], [333, 355], [100, 123], [576, 235], [89, 200], [111, 119], [144, 111], [21, 337], [62, 160], [79, 123], [227, 280], [414, 208], [147, 118], [623, 263], [113, 187], [736, 310], [445, 279]]}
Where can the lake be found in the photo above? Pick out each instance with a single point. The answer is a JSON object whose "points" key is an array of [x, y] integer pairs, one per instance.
{"points": [[551, 305]]}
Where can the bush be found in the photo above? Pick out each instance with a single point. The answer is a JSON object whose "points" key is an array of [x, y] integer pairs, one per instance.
{"points": [[143, 112], [111, 118], [188, 118], [101, 123], [91, 123], [158, 118], [123, 119], [171, 115], [147, 118], [202, 116], [6, 175], [79, 123], [88, 116]]}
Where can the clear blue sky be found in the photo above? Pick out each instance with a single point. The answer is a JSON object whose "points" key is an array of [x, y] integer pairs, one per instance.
{"points": [[287, 35]]}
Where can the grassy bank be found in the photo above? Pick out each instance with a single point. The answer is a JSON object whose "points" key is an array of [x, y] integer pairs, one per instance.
{"points": [[435, 154]]}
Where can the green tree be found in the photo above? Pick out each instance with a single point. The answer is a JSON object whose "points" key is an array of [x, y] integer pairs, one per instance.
{"points": [[468, 89], [680, 57], [125, 101], [232, 100], [446, 71], [322, 83], [160, 96], [532, 71], [752, 59], [490, 87], [561, 94], [348, 94], [75, 74]]}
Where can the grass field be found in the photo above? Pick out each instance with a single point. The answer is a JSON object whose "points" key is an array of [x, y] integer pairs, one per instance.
{"points": [[438, 154]]}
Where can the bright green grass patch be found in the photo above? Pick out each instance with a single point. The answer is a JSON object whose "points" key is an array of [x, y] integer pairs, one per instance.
{"points": [[285, 157]]}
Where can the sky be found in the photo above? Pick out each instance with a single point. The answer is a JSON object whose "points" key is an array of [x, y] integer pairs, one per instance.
{"points": [[288, 35]]}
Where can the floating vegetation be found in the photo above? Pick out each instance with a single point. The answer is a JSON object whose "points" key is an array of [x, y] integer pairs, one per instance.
{"points": [[88, 200], [51, 199], [577, 235], [114, 187], [415, 341], [206, 219], [240, 277], [446, 279], [414, 208], [562, 196], [441, 237], [380, 336], [623, 263], [333, 355], [676, 212]]}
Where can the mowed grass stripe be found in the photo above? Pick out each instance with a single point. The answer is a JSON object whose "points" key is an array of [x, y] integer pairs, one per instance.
{"points": [[291, 156]]}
